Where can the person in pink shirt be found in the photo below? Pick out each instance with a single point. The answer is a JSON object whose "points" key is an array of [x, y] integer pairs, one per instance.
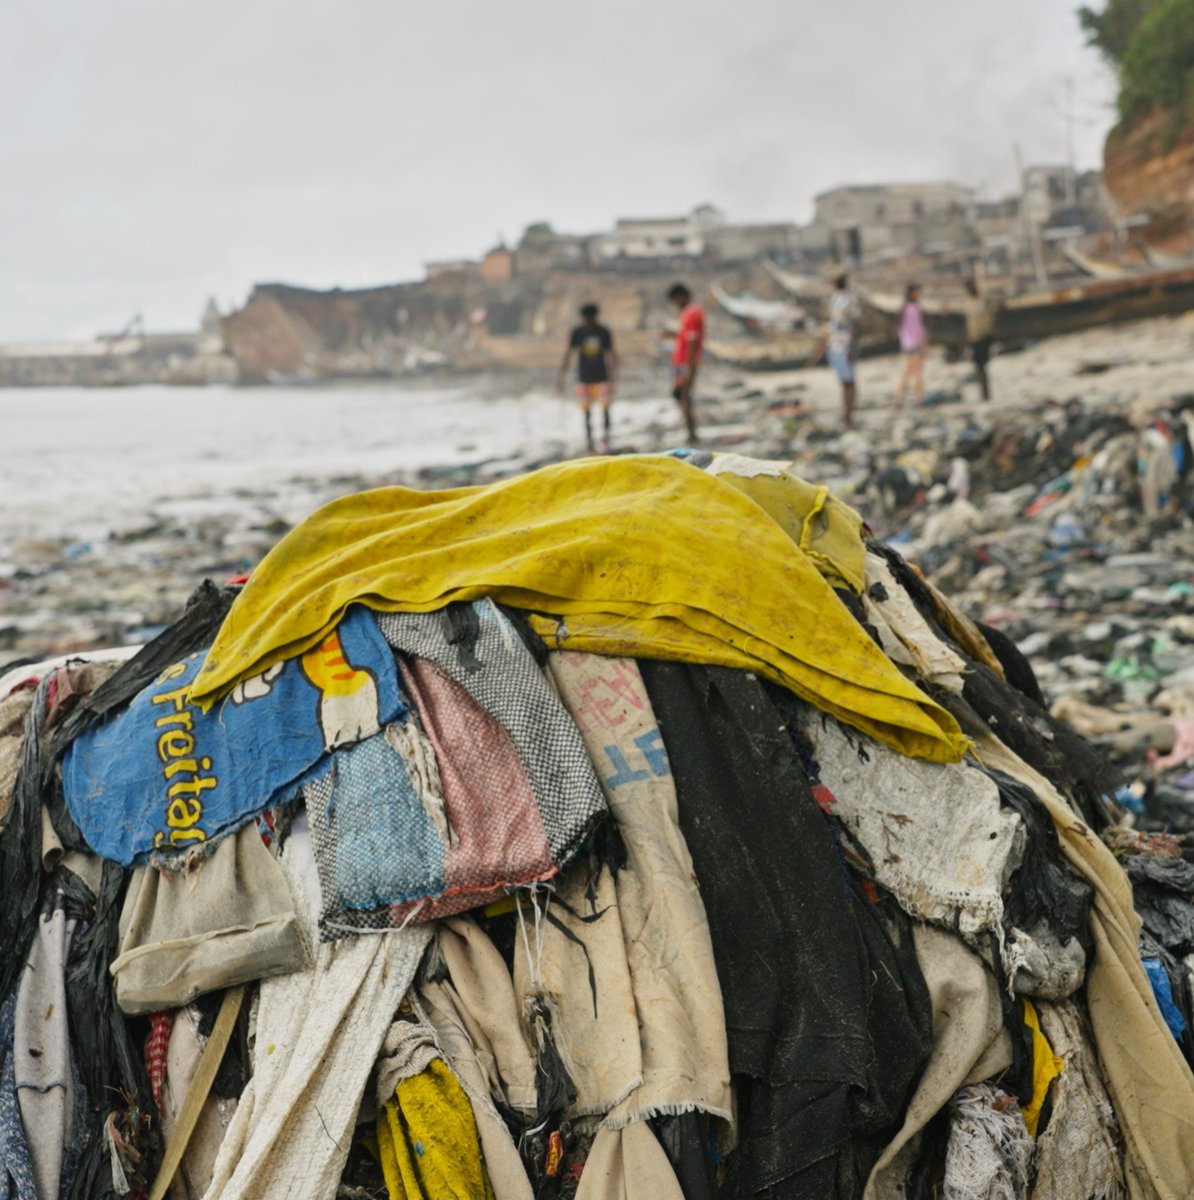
{"points": [[914, 344]]}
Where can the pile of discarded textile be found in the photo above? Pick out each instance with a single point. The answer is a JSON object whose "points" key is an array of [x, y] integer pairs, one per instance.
{"points": [[633, 828]]}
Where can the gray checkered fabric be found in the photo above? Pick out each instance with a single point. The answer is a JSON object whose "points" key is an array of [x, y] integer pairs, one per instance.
{"points": [[484, 655]]}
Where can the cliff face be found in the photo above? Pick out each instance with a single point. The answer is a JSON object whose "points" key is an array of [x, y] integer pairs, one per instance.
{"points": [[285, 332], [1148, 167]]}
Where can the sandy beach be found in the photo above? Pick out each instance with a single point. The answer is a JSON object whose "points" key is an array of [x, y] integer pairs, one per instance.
{"points": [[115, 504]]}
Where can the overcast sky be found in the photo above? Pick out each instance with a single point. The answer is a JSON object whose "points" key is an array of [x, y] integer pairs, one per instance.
{"points": [[156, 152]]}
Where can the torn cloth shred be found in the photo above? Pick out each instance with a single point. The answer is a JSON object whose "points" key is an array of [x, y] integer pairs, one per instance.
{"points": [[478, 648], [989, 1148], [667, 945], [319, 1032], [1079, 1154], [640, 556], [937, 835]]}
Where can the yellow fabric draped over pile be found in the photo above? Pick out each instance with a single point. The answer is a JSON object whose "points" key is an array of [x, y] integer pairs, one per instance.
{"points": [[427, 1140], [640, 556], [827, 530]]}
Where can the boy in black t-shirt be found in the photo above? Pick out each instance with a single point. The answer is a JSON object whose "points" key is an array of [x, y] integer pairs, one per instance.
{"points": [[597, 367]]}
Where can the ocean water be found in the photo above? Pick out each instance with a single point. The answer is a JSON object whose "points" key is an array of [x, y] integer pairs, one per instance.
{"points": [[78, 462]]}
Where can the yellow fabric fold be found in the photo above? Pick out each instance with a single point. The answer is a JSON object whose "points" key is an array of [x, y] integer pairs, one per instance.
{"points": [[827, 530], [427, 1140], [1046, 1067], [641, 556]]}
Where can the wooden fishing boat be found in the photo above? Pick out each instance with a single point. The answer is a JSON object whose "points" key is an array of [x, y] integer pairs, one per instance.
{"points": [[1066, 310]]}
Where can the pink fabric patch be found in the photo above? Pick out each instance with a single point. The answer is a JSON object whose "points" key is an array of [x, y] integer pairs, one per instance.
{"points": [[499, 837]]}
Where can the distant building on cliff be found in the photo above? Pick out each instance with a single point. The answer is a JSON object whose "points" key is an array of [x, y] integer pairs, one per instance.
{"points": [[1061, 196], [497, 265], [858, 221], [541, 250], [652, 238], [451, 268], [780, 240]]}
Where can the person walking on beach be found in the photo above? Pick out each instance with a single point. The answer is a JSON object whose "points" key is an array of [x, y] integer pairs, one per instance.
{"points": [[841, 347], [686, 357], [596, 370], [914, 344], [980, 326]]}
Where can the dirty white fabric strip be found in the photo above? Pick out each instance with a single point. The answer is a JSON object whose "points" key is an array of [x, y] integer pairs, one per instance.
{"points": [[1079, 1152], [484, 992], [683, 1055], [904, 633], [507, 1176], [41, 1051], [969, 1044], [628, 1164], [937, 833], [319, 1032]]}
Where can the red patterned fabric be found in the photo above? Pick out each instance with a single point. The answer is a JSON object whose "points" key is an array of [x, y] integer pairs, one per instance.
{"points": [[161, 1025]]}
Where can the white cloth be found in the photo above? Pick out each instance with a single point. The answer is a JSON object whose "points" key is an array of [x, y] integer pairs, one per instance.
{"points": [[41, 1051], [937, 834], [319, 1032], [628, 1164], [904, 634], [969, 1044], [682, 1058], [1079, 1153]]}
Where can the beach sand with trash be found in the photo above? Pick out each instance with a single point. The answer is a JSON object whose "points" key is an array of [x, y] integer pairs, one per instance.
{"points": [[116, 504]]}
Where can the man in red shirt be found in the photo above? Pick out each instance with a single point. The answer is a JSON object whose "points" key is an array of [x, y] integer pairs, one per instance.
{"points": [[686, 358]]}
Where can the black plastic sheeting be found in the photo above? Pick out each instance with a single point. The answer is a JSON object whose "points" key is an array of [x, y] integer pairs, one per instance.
{"points": [[1043, 887], [111, 1065], [1162, 889], [1014, 713], [21, 873], [827, 1014], [109, 1062]]}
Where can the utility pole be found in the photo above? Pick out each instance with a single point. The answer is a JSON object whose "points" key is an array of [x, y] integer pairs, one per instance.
{"points": [[1028, 227], [1071, 181]]}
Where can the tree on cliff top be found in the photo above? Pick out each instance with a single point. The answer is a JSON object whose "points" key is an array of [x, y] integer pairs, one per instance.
{"points": [[1151, 45], [1158, 65], [1111, 30]]}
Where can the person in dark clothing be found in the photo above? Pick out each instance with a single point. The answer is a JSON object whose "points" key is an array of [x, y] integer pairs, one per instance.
{"points": [[597, 367], [980, 327]]}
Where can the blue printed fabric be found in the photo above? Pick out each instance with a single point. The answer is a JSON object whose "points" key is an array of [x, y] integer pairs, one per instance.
{"points": [[376, 845], [168, 775]]}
